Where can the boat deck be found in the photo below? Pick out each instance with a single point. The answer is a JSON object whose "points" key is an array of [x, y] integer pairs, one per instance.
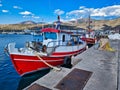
{"points": [[102, 68]]}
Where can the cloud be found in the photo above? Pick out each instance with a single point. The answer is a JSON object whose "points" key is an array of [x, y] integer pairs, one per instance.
{"points": [[24, 16], [26, 13], [31, 16], [0, 5], [82, 7], [17, 7], [77, 14], [5, 11], [36, 17], [108, 11], [59, 12]]}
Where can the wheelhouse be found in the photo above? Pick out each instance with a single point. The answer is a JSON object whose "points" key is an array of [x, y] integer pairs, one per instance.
{"points": [[53, 37]]}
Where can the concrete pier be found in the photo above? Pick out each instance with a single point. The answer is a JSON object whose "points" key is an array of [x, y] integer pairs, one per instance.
{"points": [[104, 66]]}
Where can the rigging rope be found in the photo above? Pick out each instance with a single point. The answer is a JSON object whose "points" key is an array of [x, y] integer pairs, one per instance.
{"points": [[51, 66]]}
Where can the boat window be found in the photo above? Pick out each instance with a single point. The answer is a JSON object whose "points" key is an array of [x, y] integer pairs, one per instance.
{"points": [[63, 38], [50, 35]]}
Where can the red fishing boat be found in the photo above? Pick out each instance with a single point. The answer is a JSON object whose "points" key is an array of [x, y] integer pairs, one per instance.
{"points": [[56, 49], [89, 40], [89, 36]]}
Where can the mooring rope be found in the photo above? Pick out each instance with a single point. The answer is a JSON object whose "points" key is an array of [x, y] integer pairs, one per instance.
{"points": [[51, 66]]}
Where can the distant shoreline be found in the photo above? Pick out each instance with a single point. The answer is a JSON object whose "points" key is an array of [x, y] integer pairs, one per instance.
{"points": [[95, 25]]}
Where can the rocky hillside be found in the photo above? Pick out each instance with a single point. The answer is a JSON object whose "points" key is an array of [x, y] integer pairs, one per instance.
{"points": [[28, 22], [95, 24]]}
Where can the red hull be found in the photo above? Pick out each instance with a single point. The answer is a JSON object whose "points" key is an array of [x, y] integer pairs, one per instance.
{"points": [[89, 40], [25, 64], [63, 54]]}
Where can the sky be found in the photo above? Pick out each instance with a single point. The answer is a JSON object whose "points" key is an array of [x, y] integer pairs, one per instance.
{"points": [[16, 11]]}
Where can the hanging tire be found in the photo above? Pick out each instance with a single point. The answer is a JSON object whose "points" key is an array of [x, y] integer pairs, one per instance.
{"points": [[67, 62]]}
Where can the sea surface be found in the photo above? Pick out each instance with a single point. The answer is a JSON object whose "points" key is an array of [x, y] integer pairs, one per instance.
{"points": [[9, 78]]}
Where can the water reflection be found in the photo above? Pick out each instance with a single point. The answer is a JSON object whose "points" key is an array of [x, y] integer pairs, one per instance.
{"points": [[28, 79]]}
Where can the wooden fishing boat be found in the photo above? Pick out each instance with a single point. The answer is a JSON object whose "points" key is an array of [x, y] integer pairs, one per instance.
{"points": [[56, 49]]}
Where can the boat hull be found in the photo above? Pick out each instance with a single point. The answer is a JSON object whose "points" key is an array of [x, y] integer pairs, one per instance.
{"points": [[64, 54], [89, 40], [26, 64]]}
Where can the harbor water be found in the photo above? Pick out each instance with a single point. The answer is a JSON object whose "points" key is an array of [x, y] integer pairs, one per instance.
{"points": [[9, 78]]}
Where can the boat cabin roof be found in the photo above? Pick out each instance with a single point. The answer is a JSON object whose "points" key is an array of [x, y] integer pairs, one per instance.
{"points": [[54, 30]]}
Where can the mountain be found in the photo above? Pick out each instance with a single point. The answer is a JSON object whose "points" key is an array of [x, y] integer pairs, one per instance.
{"points": [[95, 24], [41, 23], [79, 20], [28, 22], [31, 22], [74, 24]]}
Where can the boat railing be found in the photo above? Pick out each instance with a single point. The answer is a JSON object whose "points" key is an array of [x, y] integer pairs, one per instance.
{"points": [[57, 43], [51, 49], [65, 43]]}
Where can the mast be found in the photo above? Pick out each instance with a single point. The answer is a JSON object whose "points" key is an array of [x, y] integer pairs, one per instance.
{"points": [[89, 25], [89, 21], [58, 18], [58, 23], [42, 23]]}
